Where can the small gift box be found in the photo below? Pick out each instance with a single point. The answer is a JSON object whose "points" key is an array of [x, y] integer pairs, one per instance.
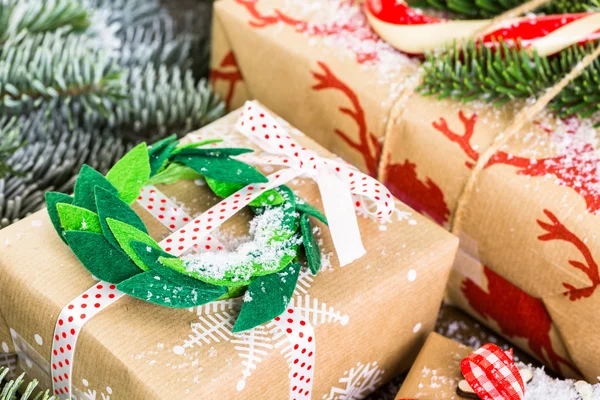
{"points": [[446, 369], [525, 209], [290, 307]]}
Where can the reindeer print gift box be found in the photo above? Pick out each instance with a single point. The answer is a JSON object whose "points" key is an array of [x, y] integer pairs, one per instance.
{"points": [[192, 303], [527, 215]]}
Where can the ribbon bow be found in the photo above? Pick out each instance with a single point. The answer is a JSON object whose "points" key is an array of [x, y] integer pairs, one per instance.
{"points": [[343, 188], [492, 374]]}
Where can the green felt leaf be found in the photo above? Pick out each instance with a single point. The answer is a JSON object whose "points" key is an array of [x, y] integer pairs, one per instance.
{"points": [[304, 207], [100, 258], [110, 206], [195, 145], [221, 152], [151, 258], [155, 288], [130, 173], [160, 151], [87, 180], [73, 218], [270, 295], [234, 291], [52, 199], [288, 194], [222, 168], [125, 234], [226, 189], [174, 173], [311, 248], [290, 216]]}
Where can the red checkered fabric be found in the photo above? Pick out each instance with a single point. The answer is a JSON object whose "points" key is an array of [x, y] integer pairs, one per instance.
{"points": [[492, 374]]}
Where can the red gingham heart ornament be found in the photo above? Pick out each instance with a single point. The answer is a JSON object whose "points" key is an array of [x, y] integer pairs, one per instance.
{"points": [[492, 374]]}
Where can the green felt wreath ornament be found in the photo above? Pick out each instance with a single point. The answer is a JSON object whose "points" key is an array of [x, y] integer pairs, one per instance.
{"points": [[112, 242]]}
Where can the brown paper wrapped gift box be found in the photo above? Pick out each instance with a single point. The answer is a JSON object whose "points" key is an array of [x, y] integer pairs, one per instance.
{"points": [[528, 262], [436, 371], [375, 313]]}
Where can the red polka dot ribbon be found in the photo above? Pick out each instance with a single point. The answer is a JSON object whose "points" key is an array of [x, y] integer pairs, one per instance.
{"points": [[492, 374], [343, 188], [70, 321], [162, 208], [199, 229], [94, 300], [301, 336], [411, 31]]}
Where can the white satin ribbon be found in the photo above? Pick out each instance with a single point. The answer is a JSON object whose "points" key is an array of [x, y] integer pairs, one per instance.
{"points": [[343, 188]]}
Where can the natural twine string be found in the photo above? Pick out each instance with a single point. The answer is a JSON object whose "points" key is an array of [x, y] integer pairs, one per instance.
{"points": [[526, 115]]}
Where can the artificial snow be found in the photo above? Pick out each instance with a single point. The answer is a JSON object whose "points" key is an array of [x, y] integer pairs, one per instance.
{"points": [[543, 387], [240, 264]]}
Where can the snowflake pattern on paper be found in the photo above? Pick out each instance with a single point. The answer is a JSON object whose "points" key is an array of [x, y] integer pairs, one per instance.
{"points": [[216, 319], [90, 394], [357, 383]]}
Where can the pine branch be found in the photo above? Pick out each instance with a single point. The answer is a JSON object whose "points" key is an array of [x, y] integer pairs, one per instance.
{"points": [[9, 143], [9, 389], [492, 8], [18, 16], [152, 99], [54, 69], [503, 73], [148, 34], [52, 154]]}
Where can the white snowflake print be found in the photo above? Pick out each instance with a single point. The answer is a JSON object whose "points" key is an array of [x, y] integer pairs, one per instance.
{"points": [[357, 383], [216, 319], [90, 394]]}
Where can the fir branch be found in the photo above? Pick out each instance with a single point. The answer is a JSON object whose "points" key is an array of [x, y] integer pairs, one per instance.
{"points": [[156, 94], [53, 153], [46, 16], [9, 143], [167, 101], [51, 69], [9, 389], [492, 8], [503, 73]]}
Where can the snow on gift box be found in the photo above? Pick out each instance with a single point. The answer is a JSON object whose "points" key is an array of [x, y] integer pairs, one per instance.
{"points": [[446, 369], [347, 329], [529, 248]]}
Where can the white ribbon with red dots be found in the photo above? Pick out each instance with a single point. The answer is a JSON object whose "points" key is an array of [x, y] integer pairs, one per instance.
{"points": [[162, 208], [302, 362], [94, 300], [343, 188], [411, 31], [70, 321]]}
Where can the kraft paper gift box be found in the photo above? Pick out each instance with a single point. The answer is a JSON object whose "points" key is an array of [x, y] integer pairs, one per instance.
{"points": [[370, 317], [528, 261]]}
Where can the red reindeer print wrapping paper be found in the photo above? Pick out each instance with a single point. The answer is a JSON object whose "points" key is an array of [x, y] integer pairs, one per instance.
{"points": [[137, 350], [323, 73], [528, 262]]}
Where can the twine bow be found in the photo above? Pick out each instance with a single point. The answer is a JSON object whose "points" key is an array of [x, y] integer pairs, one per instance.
{"points": [[342, 187], [492, 374]]}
